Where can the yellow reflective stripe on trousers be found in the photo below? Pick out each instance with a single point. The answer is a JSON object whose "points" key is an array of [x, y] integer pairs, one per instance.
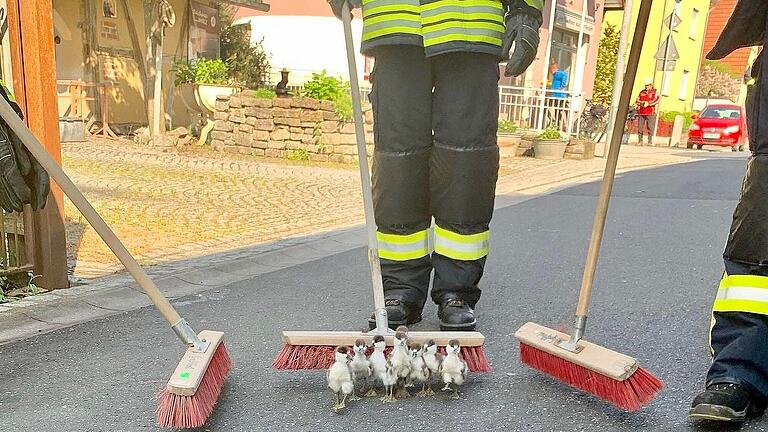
{"points": [[742, 293], [462, 247], [397, 247]]}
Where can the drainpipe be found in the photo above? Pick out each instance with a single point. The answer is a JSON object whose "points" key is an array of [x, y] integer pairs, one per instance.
{"points": [[583, 64], [618, 77], [553, 5]]}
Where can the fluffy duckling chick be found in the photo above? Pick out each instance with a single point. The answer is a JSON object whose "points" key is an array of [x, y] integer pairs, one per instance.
{"points": [[401, 362], [361, 367], [419, 370], [454, 369], [389, 380], [340, 378], [378, 362], [433, 361]]}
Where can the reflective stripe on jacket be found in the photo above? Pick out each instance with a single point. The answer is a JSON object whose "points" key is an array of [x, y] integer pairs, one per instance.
{"points": [[440, 26]]}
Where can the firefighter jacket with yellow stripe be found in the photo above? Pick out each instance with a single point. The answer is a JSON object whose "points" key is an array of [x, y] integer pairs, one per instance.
{"points": [[440, 26]]}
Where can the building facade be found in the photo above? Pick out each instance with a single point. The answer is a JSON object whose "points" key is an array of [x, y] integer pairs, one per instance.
{"points": [[569, 36], [99, 44], [672, 50]]}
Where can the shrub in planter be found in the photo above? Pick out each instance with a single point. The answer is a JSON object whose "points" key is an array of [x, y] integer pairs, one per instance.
{"points": [[549, 145]]}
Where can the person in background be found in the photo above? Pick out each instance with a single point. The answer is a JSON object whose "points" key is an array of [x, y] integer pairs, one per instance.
{"points": [[646, 103], [558, 87]]}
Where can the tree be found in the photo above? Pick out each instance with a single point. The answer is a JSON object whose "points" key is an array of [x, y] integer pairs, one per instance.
{"points": [[717, 80], [607, 55], [248, 64]]}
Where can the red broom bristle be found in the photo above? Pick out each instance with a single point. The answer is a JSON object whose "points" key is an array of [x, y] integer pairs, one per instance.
{"points": [[307, 357], [186, 412], [630, 394]]}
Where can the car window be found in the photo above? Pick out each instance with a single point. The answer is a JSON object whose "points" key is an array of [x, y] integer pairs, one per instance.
{"points": [[721, 113]]}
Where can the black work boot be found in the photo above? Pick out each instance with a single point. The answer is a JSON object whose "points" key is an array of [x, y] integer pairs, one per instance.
{"points": [[398, 313], [456, 315], [726, 402]]}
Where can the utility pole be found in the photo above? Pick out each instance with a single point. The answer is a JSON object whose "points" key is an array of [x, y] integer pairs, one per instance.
{"points": [[618, 77]]}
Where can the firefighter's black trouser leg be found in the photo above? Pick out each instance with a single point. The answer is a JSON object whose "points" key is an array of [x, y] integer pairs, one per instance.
{"points": [[740, 338], [450, 175]]}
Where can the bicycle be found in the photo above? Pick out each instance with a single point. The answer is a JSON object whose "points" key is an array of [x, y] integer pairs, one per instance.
{"points": [[593, 122]]}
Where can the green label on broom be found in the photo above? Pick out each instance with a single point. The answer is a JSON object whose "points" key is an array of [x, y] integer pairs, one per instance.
{"points": [[184, 375]]}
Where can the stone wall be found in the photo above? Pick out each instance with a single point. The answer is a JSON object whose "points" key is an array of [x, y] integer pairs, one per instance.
{"points": [[296, 127]]}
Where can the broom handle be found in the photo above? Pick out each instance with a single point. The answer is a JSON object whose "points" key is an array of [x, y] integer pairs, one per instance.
{"points": [[38, 151], [610, 170], [380, 311]]}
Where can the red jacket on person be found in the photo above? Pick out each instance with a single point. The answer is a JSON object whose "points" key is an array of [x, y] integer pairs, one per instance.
{"points": [[647, 101]]}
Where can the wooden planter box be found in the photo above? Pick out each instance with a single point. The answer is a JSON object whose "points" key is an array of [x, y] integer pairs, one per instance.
{"points": [[580, 149]]}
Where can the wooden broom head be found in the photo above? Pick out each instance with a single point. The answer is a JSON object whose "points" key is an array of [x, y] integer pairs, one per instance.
{"points": [[590, 356], [193, 366]]}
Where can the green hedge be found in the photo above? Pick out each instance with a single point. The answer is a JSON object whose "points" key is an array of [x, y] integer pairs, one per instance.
{"points": [[669, 116]]}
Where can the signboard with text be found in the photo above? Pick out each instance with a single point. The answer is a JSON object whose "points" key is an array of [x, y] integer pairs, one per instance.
{"points": [[203, 31]]}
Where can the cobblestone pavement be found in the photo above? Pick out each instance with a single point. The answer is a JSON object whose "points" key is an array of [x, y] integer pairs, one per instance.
{"points": [[171, 204]]}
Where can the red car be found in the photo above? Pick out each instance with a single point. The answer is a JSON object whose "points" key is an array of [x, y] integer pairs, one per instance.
{"points": [[719, 125]]}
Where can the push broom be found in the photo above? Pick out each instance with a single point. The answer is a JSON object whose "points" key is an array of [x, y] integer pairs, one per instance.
{"points": [[315, 349], [191, 393], [607, 374]]}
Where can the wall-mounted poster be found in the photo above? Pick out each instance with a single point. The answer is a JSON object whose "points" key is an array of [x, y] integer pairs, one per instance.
{"points": [[203, 31], [110, 8]]}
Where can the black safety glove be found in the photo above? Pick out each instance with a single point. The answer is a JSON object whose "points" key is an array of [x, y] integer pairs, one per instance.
{"points": [[337, 4], [34, 175], [745, 28], [14, 192], [522, 22]]}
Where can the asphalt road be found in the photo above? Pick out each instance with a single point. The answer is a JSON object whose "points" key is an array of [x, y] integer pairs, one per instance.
{"points": [[658, 272]]}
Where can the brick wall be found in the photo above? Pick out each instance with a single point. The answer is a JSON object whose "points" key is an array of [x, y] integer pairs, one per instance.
{"points": [[284, 127]]}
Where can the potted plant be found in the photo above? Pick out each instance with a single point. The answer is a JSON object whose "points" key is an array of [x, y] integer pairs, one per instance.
{"points": [[508, 138], [200, 82], [549, 145]]}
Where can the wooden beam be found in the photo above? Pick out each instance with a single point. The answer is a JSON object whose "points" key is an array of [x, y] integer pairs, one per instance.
{"points": [[34, 78]]}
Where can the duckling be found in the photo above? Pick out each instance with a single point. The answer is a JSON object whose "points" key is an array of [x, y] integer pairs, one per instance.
{"points": [[361, 367], [378, 362], [454, 369], [419, 370], [401, 362], [340, 378], [433, 360], [389, 380]]}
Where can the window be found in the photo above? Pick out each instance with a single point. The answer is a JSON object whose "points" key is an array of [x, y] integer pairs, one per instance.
{"points": [[564, 49], [694, 24], [665, 83], [684, 86]]}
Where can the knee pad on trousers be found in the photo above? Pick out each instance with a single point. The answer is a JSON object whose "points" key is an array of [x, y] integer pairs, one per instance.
{"points": [[463, 184], [401, 190], [748, 239]]}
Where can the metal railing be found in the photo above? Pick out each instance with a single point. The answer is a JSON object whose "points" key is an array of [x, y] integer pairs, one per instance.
{"points": [[536, 108], [526, 107]]}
